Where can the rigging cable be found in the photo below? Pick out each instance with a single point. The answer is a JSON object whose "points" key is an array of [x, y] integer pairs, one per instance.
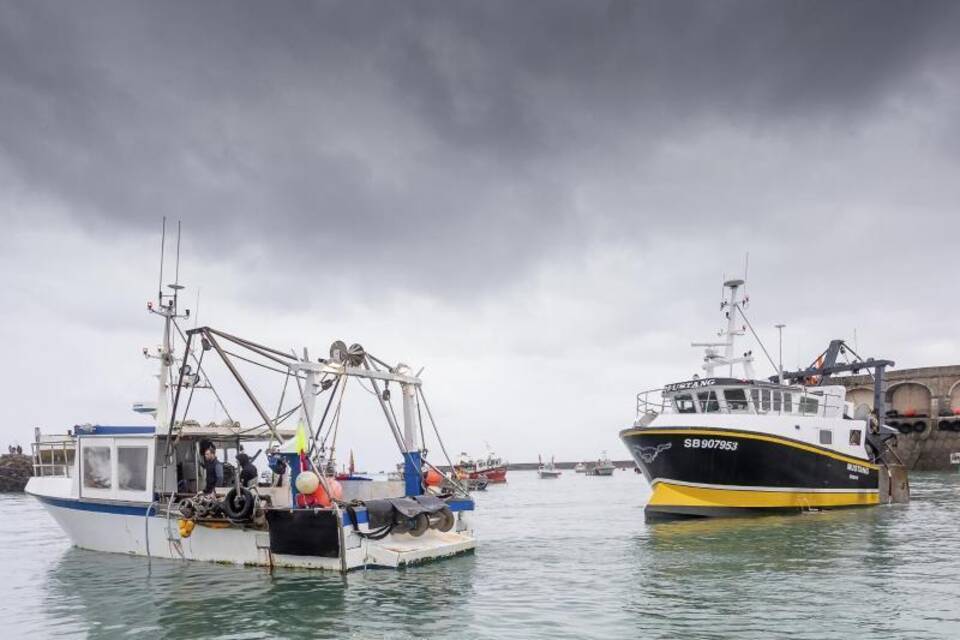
{"points": [[757, 338]]}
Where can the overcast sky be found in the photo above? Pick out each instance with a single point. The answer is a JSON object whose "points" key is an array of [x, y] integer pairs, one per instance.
{"points": [[536, 201]]}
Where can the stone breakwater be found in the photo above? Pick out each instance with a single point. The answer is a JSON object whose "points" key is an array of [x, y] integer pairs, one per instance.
{"points": [[15, 470]]}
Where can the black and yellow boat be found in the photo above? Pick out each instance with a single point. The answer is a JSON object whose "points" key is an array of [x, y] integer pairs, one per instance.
{"points": [[716, 446]]}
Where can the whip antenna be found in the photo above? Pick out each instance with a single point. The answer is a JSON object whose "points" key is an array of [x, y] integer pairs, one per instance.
{"points": [[163, 244]]}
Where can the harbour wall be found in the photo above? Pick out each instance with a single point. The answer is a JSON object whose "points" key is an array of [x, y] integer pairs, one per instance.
{"points": [[923, 404]]}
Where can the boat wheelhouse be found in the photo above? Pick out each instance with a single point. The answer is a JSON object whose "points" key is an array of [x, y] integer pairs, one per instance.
{"points": [[733, 446]]}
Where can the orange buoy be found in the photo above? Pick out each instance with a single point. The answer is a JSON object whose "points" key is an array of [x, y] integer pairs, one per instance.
{"points": [[433, 478], [956, 411]]}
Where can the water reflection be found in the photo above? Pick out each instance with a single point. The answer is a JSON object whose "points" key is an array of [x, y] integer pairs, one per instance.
{"points": [[566, 559], [105, 595]]}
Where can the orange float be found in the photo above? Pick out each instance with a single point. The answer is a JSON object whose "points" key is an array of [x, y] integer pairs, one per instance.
{"points": [[433, 478]]}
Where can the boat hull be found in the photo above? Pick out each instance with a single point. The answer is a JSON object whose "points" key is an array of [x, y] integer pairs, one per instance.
{"points": [[549, 475], [600, 471], [727, 472], [494, 475], [139, 529]]}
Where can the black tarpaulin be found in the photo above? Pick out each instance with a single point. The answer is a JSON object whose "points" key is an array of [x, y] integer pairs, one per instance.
{"points": [[380, 513]]}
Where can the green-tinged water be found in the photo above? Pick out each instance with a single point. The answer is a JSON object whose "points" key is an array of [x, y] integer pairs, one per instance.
{"points": [[565, 558]]}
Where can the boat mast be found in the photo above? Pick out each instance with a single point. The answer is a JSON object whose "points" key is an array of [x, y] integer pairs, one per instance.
{"points": [[411, 458], [166, 307], [712, 359]]}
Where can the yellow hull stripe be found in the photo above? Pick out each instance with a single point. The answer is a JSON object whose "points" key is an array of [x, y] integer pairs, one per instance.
{"points": [[750, 436], [672, 495]]}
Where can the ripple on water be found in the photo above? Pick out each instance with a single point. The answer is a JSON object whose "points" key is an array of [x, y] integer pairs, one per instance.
{"points": [[570, 558]]}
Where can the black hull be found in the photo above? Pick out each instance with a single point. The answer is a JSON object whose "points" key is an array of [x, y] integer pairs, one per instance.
{"points": [[696, 471]]}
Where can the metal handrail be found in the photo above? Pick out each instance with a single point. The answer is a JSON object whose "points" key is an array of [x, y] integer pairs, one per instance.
{"points": [[660, 403], [53, 468]]}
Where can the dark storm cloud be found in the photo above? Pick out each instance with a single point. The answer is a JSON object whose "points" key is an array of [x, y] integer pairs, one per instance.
{"points": [[449, 138]]}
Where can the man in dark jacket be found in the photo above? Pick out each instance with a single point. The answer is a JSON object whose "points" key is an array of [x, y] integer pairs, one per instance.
{"points": [[212, 467], [248, 470]]}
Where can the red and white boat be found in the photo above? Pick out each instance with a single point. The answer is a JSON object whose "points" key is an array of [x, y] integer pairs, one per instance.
{"points": [[492, 468]]}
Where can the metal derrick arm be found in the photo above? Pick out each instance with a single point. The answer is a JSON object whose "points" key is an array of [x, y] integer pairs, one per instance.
{"points": [[825, 365]]}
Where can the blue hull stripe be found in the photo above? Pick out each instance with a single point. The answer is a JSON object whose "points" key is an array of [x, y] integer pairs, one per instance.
{"points": [[98, 507], [135, 510]]}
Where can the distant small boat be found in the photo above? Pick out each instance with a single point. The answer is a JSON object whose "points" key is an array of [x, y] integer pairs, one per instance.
{"points": [[548, 470], [580, 468], [602, 467]]}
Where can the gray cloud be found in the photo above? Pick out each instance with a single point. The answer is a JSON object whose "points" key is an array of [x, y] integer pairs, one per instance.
{"points": [[447, 140], [508, 193]]}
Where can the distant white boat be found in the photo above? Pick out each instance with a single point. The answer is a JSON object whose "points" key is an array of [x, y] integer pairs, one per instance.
{"points": [[548, 470], [580, 468], [602, 467]]}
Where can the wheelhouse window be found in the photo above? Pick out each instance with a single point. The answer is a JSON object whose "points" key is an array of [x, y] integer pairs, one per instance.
{"points": [[132, 468], [736, 400], [826, 436], [709, 403], [809, 406], [787, 403], [777, 405], [854, 437], [97, 468], [684, 404]]}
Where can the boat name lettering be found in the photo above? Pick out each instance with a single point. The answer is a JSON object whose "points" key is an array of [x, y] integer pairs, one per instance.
{"points": [[710, 443], [690, 384], [857, 468]]}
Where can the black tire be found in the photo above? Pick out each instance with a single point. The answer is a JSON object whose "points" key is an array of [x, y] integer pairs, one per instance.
{"points": [[955, 425], [447, 520], [238, 505], [919, 427], [421, 522]]}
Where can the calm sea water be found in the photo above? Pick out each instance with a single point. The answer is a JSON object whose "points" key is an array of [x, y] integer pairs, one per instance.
{"points": [[570, 558]]}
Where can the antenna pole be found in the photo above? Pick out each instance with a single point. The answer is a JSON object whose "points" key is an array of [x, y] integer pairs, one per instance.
{"points": [[177, 279], [163, 244], [780, 368]]}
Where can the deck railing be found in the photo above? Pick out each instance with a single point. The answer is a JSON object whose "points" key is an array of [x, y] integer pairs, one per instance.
{"points": [[653, 402], [54, 458]]}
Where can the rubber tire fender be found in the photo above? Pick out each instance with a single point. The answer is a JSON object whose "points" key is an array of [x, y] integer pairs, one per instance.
{"points": [[421, 522], [919, 427], [447, 520], [238, 506]]}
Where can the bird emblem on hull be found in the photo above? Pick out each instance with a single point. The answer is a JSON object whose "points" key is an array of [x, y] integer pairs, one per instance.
{"points": [[649, 454]]}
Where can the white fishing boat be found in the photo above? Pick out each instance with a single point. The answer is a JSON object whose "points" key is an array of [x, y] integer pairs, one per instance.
{"points": [[548, 470], [580, 468], [716, 446], [602, 467], [151, 490]]}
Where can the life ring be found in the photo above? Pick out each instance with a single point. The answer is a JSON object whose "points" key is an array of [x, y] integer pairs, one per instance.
{"points": [[238, 505]]}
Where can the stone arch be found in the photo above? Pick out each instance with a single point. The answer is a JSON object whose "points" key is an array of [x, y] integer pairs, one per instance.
{"points": [[910, 398], [954, 397]]}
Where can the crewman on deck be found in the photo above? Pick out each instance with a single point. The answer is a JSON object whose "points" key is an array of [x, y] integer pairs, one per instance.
{"points": [[212, 466]]}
